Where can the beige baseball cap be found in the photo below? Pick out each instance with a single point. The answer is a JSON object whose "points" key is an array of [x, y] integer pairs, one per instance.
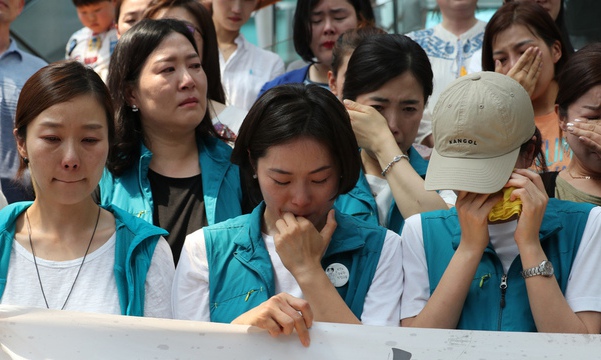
{"points": [[478, 124]]}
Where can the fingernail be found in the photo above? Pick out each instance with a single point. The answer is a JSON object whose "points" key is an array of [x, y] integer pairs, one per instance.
{"points": [[579, 121]]}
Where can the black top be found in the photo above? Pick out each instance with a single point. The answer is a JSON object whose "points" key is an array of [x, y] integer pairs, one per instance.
{"points": [[549, 179], [178, 207]]}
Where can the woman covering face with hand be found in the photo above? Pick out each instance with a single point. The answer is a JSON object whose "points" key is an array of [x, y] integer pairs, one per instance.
{"points": [[387, 83], [522, 41], [294, 259], [579, 110], [169, 166], [63, 251], [527, 267]]}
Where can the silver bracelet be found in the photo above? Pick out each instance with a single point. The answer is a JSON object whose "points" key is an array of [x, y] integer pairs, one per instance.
{"points": [[396, 159]]}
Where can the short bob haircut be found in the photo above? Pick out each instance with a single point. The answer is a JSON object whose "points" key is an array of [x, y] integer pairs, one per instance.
{"points": [[580, 74], [206, 28], [530, 15], [58, 83], [292, 111], [348, 42], [380, 58], [301, 28], [129, 56]]}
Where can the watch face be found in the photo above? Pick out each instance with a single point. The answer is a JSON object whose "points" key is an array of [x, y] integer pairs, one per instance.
{"points": [[547, 268]]}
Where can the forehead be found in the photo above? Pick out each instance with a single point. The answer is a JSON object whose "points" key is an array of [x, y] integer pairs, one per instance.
{"points": [[178, 13], [173, 44], [328, 5], [591, 98], [403, 87], [84, 111], [289, 151], [134, 5], [515, 33]]}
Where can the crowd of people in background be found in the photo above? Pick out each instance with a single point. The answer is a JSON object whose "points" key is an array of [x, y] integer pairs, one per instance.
{"points": [[168, 167]]}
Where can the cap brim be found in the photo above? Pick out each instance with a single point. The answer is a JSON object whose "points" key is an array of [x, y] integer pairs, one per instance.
{"points": [[482, 176]]}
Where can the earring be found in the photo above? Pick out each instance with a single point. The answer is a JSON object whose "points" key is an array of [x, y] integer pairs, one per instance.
{"points": [[255, 176], [134, 108], [26, 160]]}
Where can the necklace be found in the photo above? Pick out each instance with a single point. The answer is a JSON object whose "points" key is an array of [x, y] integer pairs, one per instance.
{"points": [[37, 270], [582, 177]]}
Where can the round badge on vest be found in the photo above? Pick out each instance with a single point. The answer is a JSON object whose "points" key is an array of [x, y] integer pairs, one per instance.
{"points": [[338, 274]]}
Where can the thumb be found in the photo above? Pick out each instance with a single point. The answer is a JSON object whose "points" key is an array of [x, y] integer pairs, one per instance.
{"points": [[330, 226]]}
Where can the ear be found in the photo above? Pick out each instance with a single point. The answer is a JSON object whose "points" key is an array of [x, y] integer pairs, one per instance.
{"points": [[130, 96], [562, 121], [556, 51], [332, 83], [21, 146]]}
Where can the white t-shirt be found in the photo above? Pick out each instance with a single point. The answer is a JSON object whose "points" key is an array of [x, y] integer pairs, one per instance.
{"points": [[582, 294], [383, 196], [93, 50], [95, 289], [245, 72], [191, 282], [232, 117], [451, 56]]}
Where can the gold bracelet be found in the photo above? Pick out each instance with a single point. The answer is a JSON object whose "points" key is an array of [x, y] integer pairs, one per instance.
{"points": [[395, 160]]}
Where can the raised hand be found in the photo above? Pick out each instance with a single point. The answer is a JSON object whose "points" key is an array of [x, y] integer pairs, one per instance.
{"points": [[589, 133], [370, 127], [526, 70], [530, 189], [472, 211], [300, 245]]}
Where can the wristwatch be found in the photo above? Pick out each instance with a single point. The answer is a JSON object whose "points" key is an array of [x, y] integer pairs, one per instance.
{"points": [[545, 269]]}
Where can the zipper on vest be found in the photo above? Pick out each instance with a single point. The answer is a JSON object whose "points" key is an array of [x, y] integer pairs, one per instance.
{"points": [[503, 287]]}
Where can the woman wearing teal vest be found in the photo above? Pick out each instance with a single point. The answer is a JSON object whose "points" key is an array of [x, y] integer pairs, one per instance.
{"points": [[170, 167], [386, 86], [63, 251], [294, 259], [506, 258]]}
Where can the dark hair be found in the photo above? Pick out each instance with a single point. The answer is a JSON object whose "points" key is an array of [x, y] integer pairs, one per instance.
{"points": [[206, 28], [380, 58], [538, 157], [118, 4], [291, 111], [58, 83], [129, 56], [348, 42], [563, 29], [301, 28], [527, 14], [79, 3], [581, 73]]}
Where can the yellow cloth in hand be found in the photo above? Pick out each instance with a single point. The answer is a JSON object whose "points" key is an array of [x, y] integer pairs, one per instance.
{"points": [[505, 208]]}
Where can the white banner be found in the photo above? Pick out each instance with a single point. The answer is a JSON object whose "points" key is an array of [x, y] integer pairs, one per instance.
{"points": [[27, 333]]}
